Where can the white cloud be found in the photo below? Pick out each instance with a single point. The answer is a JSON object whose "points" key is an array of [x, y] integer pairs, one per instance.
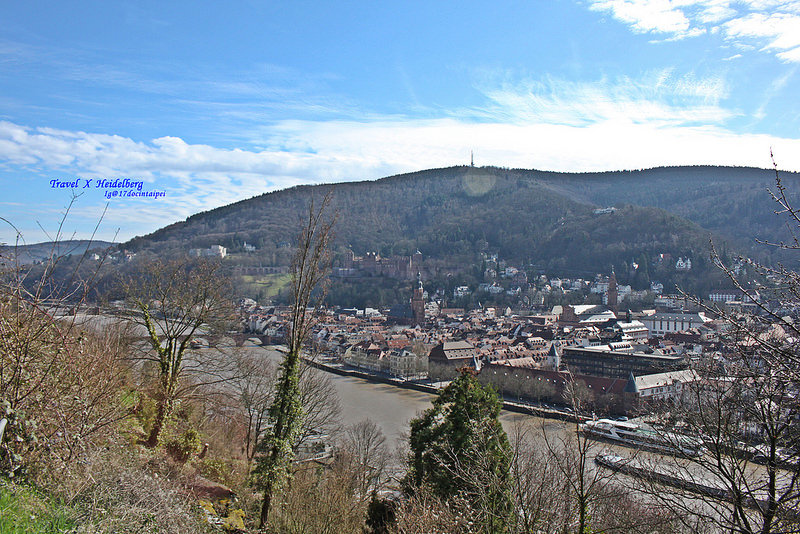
{"points": [[714, 11], [659, 97], [200, 177], [781, 30], [661, 118], [790, 56], [644, 17], [770, 25]]}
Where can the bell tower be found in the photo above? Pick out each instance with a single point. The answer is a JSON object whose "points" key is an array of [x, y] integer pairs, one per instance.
{"points": [[612, 291], [417, 302]]}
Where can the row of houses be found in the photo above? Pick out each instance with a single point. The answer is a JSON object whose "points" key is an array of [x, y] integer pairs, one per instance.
{"points": [[635, 356]]}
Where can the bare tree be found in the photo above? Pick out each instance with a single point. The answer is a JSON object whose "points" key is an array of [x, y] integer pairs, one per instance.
{"points": [[364, 449], [545, 498], [310, 268], [254, 387], [254, 384], [335, 498], [539, 488], [321, 407], [61, 378], [424, 511], [783, 286], [321, 499], [745, 403], [747, 415], [573, 454], [172, 302]]}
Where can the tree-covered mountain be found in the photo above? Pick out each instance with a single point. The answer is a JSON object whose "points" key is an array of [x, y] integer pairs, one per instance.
{"points": [[542, 220], [733, 202]]}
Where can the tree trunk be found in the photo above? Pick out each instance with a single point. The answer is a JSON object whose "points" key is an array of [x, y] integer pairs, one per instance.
{"points": [[265, 506], [161, 416]]}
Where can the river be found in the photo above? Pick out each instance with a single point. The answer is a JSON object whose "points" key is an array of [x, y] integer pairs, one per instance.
{"points": [[392, 407]]}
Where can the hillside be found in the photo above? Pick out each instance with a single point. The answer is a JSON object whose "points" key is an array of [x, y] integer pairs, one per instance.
{"points": [[38, 252], [443, 213], [731, 202], [543, 221]]}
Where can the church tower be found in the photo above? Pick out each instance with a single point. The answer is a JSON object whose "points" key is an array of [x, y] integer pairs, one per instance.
{"points": [[612, 291], [417, 302]]}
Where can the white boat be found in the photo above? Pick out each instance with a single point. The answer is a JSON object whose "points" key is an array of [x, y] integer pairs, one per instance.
{"points": [[643, 437]]}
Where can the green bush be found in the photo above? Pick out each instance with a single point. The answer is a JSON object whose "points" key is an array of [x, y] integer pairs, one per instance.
{"points": [[182, 448], [18, 438], [231, 473]]}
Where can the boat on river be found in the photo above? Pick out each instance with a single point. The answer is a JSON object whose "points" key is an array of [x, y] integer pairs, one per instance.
{"points": [[643, 437], [681, 480]]}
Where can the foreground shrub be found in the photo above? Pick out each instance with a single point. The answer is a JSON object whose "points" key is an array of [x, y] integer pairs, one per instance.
{"points": [[121, 492], [61, 386]]}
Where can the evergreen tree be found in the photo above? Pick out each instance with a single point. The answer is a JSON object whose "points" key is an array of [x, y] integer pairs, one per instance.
{"points": [[310, 268], [460, 452]]}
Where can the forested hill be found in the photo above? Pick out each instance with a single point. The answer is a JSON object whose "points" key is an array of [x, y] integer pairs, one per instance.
{"points": [[44, 251], [730, 201], [530, 217]]}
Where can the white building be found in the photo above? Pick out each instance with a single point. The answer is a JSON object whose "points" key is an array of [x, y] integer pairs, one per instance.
{"points": [[661, 386], [732, 295], [657, 287], [213, 250], [634, 330], [460, 291], [403, 363], [663, 323]]}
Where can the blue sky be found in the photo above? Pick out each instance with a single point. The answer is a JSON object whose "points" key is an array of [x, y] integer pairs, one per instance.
{"points": [[214, 102]]}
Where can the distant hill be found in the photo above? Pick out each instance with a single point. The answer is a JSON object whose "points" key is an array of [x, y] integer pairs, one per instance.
{"points": [[729, 201], [38, 252], [540, 219]]}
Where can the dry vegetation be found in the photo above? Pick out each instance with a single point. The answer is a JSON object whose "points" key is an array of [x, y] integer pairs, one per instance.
{"points": [[79, 452], [80, 405]]}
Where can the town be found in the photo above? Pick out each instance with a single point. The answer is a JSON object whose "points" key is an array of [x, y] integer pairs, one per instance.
{"points": [[624, 360], [400, 268]]}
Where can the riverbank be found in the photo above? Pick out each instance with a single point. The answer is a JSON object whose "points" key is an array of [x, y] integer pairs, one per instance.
{"points": [[432, 388]]}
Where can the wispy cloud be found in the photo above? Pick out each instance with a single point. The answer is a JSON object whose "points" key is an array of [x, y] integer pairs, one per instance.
{"points": [[659, 98], [660, 118], [775, 88], [769, 25]]}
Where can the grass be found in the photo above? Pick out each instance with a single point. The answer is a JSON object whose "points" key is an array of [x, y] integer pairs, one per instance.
{"points": [[24, 510], [267, 286]]}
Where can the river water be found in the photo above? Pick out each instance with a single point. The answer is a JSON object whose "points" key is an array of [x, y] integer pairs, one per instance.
{"points": [[392, 407]]}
